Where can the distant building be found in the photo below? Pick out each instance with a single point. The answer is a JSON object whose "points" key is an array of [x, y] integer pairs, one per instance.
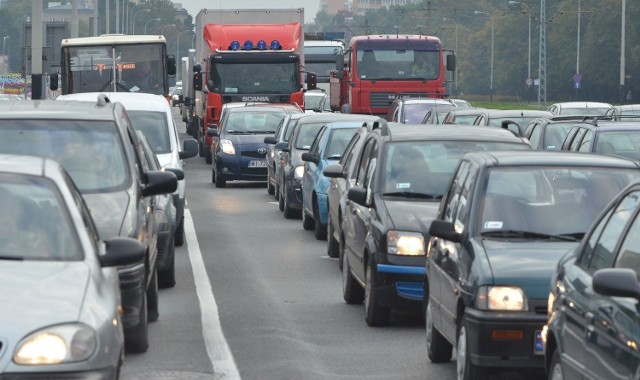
{"points": [[360, 7], [332, 7]]}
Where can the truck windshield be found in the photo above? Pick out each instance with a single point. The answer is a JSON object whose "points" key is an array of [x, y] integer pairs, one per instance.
{"points": [[255, 78], [402, 64], [138, 68]]}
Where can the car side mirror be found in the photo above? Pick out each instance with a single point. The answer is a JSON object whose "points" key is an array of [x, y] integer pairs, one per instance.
{"points": [[283, 146], [213, 131], [616, 282], [171, 64], [189, 148], [334, 171], [159, 182], [444, 230], [178, 172], [270, 140], [310, 157], [358, 195], [451, 62], [122, 251]]}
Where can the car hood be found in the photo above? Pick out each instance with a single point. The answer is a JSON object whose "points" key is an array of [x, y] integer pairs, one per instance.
{"points": [[412, 215], [246, 139], [108, 211], [528, 264], [41, 293]]}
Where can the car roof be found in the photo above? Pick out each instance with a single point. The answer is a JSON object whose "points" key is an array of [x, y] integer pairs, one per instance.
{"points": [[406, 132], [553, 158], [611, 125], [327, 117], [22, 164], [516, 113], [425, 101], [581, 104], [58, 109], [130, 100], [467, 111]]}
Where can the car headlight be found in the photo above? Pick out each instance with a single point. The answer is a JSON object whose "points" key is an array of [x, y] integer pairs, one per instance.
{"points": [[299, 172], [227, 147], [57, 344], [510, 298], [405, 243]]}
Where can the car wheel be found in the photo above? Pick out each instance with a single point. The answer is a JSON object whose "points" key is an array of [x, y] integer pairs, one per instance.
{"points": [[276, 192], [333, 247], [289, 212], [320, 230], [201, 151], [213, 173], [555, 368], [270, 188], [280, 201], [220, 181], [352, 292], [167, 277], [341, 251], [208, 158], [136, 339], [152, 298], [375, 314], [179, 234], [307, 222], [464, 368], [438, 348]]}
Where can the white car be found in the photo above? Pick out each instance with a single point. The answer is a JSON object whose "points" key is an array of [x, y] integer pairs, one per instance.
{"points": [[580, 109], [151, 114]]}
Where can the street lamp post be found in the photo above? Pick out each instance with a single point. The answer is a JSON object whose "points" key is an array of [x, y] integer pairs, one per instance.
{"points": [[147, 23], [178, 59], [4, 40], [134, 18], [492, 40], [455, 73], [529, 80]]}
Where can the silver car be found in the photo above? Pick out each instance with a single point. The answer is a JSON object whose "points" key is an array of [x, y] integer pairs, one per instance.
{"points": [[59, 281]]}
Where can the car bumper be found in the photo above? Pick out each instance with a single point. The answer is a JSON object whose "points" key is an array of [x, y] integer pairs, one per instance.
{"points": [[96, 374], [232, 168], [132, 289], [487, 351], [400, 281]]}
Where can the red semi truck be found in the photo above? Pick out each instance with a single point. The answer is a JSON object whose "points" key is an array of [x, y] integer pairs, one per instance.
{"points": [[380, 68], [246, 55]]}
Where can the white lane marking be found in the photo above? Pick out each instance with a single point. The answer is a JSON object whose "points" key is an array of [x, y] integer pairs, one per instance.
{"points": [[273, 203], [224, 366]]}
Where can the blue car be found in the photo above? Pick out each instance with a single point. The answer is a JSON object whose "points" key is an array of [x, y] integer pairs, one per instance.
{"points": [[326, 149]]}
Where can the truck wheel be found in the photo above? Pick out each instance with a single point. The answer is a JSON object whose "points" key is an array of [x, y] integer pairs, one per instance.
{"points": [[270, 188], [220, 180], [201, 151]]}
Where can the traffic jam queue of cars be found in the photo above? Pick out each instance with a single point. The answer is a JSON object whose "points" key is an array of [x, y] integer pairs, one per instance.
{"points": [[95, 211]]}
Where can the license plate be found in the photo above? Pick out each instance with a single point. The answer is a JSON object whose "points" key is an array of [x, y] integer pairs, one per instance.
{"points": [[538, 348], [258, 164]]}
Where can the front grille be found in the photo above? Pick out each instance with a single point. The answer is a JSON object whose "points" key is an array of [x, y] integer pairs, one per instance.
{"points": [[384, 99], [253, 154]]}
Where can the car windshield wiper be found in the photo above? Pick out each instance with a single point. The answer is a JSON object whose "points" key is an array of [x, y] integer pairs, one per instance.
{"points": [[14, 258], [531, 235], [261, 132], [411, 194]]}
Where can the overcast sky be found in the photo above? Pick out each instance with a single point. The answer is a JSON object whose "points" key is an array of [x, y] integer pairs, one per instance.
{"points": [[194, 6]]}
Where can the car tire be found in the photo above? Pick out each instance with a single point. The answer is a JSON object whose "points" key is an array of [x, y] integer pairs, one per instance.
{"points": [[341, 252], [352, 292], [270, 188], [208, 158], [307, 222], [555, 368], [465, 369], [167, 277], [213, 174], [220, 181], [136, 339], [152, 298], [333, 247], [439, 349], [320, 230], [289, 212], [201, 151], [280, 201], [178, 239], [376, 315], [276, 192]]}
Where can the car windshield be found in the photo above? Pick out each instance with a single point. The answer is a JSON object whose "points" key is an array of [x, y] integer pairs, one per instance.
{"points": [[34, 223], [312, 102], [155, 129], [338, 141], [555, 134], [426, 167], [557, 201], [252, 122], [619, 143], [90, 151], [306, 134]]}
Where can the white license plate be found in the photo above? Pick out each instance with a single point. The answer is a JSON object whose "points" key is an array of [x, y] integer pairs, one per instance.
{"points": [[258, 164], [538, 347]]}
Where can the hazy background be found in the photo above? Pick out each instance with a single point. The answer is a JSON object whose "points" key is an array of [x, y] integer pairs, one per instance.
{"points": [[194, 6]]}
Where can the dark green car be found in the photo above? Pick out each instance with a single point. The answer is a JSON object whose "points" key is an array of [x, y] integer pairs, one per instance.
{"points": [[502, 227]]}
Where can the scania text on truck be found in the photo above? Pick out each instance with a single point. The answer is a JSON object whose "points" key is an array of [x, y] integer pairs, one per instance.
{"points": [[378, 69], [115, 63], [246, 55]]}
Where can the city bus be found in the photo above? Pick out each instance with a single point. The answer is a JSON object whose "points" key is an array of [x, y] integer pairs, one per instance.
{"points": [[115, 63]]}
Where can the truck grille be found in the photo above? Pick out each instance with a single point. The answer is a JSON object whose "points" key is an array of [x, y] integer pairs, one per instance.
{"points": [[384, 99]]}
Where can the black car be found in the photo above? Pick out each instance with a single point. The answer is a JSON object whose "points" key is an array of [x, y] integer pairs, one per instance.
{"points": [[239, 148], [503, 225], [292, 165], [282, 134], [593, 330], [99, 148], [617, 138], [401, 174]]}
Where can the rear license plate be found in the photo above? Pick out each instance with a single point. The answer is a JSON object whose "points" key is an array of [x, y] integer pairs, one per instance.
{"points": [[258, 164], [538, 348]]}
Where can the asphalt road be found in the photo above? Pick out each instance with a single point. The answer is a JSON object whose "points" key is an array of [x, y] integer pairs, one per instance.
{"points": [[258, 298]]}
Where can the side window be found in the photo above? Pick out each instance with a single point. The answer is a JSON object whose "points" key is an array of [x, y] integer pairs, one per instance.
{"points": [[346, 160], [585, 145], [534, 136], [577, 139], [362, 164], [451, 205], [629, 253], [315, 146], [462, 213], [604, 248], [479, 120]]}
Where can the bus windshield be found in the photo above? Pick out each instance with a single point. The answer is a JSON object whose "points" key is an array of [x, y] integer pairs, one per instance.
{"points": [[116, 68], [255, 78]]}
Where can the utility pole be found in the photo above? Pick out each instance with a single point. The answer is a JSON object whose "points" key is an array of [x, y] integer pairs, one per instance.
{"points": [[36, 50], [622, 52], [542, 62]]}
